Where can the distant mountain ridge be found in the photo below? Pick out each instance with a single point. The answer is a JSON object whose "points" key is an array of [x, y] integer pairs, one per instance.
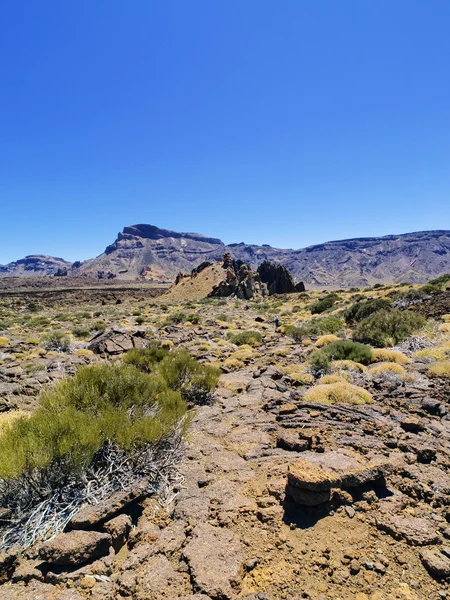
{"points": [[149, 252]]}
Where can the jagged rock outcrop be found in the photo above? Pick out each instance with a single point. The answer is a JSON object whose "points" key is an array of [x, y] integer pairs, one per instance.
{"points": [[239, 281], [278, 279], [115, 341]]}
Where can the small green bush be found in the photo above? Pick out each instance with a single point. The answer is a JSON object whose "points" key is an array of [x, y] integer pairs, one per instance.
{"points": [[324, 304], [184, 374], [360, 310], [194, 318], [178, 369], [145, 359], [139, 320], [319, 363], [387, 328], [348, 350], [56, 340], [81, 332], [252, 338], [441, 281], [322, 326], [101, 404]]}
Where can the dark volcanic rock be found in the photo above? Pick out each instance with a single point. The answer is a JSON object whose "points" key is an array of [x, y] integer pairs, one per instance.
{"points": [[116, 342], [278, 279]]}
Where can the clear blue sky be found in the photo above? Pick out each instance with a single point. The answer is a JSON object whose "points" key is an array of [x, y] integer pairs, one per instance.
{"points": [[285, 122]]}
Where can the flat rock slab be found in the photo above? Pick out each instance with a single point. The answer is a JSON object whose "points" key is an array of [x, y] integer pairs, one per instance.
{"points": [[75, 547], [415, 531], [321, 471], [116, 341], [91, 514], [435, 562], [159, 578], [37, 591], [215, 558]]}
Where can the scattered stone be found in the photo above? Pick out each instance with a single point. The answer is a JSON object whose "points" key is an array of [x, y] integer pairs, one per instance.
{"points": [[412, 424], [289, 440], [115, 341], [435, 562], [215, 560], [416, 531], [75, 547], [92, 514], [118, 528]]}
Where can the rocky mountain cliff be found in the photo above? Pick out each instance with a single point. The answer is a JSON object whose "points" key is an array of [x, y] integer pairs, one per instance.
{"points": [[36, 265], [145, 251]]}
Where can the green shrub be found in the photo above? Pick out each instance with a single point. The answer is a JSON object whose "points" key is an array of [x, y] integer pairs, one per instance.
{"points": [[55, 340], [184, 374], [252, 338], [194, 318], [176, 318], [101, 404], [360, 310], [323, 326], [441, 281], [388, 328], [98, 326], [348, 350], [178, 369], [145, 359], [81, 332], [139, 320], [319, 363], [324, 304]]}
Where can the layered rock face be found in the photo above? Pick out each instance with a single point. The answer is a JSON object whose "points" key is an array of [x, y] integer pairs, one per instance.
{"points": [[38, 265], [148, 252]]}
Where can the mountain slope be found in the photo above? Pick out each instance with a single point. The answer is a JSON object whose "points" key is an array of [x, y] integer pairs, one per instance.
{"points": [[146, 251], [36, 265]]}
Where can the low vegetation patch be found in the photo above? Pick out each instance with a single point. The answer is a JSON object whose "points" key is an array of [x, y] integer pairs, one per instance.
{"points": [[387, 328], [56, 341], [252, 338], [391, 367], [364, 308], [384, 354], [324, 340], [338, 393], [110, 423], [324, 304], [440, 368]]}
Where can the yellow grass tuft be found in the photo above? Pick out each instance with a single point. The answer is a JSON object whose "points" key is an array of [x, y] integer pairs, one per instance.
{"points": [[383, 367], [83, 352], [386, 355], [435, 353], [333, 379], [242, 354], [338, 393], [4, 341], [444, 328], [167, 344], [324, 340], [233, 363], [282, 351], [348, 365], [440, 368]]}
